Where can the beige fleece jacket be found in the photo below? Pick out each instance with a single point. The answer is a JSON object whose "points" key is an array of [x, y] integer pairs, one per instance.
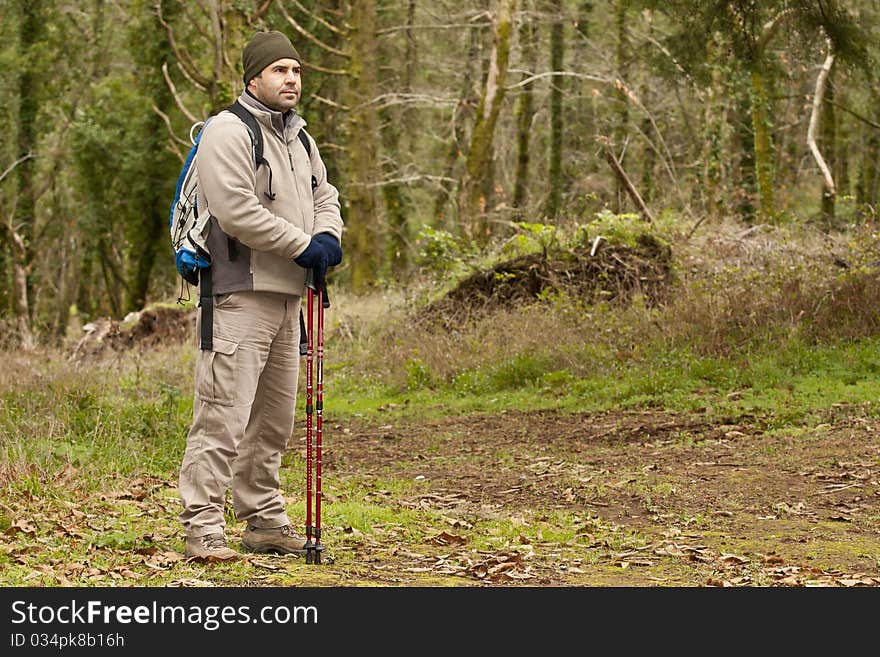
{"points": [[267, 233]]}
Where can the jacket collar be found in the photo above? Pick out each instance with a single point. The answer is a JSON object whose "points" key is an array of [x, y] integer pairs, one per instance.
{"points": [[281, 123]]}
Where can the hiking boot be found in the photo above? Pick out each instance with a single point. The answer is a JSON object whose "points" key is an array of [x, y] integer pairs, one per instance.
{"points": [[277, 539], [211, 547]]}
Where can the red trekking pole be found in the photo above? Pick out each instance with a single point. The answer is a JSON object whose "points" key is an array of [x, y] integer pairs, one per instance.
{"points": [[313, 547], [310, 546], [319, 413]]}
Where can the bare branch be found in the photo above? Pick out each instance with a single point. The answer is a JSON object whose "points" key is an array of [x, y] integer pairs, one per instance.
{"points": [[193, 21], [403, 181], [330, 146], [177, 99], [682, 71], [311, 37], [229, 65], [446, 26], [12, 166], [814, 122], [772, 26], [331, 103], [261, 10], [313, 15], [172, 148], [167, 121], [390, 99], [538, 76], [192, 81], [183, 58], [620, 84], [856, 115], [323, 69]]}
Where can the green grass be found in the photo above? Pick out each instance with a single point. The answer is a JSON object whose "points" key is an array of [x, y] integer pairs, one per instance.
{"points": [[786, 386]]}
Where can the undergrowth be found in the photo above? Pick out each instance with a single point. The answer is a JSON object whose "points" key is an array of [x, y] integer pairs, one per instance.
{"points": [[780, 322]]}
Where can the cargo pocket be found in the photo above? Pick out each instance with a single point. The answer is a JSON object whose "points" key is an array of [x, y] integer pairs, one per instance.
{"points": [[225, 300], [217, 373]]}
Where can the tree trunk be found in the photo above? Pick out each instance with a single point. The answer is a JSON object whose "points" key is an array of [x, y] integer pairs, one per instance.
{"points": [[114, 281], [649, 155], [86, 299], [713, 131], [525, 111], [828, 138], [621, 125], [26, 339], [557, 56], [866, 184], [30, 34], [443, 206], [396, 204], [477, 182], [361, 210], [744, 184], [65, 274], [395, 120], [150, 50], [764, 169]]}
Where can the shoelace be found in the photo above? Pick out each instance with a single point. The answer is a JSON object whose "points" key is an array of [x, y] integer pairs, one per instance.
{"points": [[214, 542], [287, 530]]}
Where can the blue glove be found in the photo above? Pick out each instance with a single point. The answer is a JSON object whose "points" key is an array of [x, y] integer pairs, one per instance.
{"points": [[331, 245], [315, 258]]}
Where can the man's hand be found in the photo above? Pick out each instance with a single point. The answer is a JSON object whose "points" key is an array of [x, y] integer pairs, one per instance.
{"points": [[331, 246], [315, 257]]}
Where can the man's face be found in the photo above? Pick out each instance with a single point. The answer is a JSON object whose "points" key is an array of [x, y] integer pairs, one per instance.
{"points": [[279, 85]]}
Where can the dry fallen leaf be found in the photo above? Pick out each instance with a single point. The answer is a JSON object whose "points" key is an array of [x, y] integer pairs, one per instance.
{"points": [[445, 538], [21, 526], [733, 559], [455, 522], [190, 582]]}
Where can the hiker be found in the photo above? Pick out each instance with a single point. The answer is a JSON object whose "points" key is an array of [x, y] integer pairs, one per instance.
{"points": [[268, 226]]}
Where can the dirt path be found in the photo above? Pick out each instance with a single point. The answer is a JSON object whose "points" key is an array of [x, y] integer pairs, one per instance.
{"points": [[659, 498], [511, 499]]}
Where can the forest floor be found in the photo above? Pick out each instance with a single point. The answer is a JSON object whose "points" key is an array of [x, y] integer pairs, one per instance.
{"points": [[662, 499], [546, 498]]}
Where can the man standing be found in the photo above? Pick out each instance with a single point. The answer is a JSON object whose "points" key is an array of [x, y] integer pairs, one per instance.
{"points": [[269, 224]]}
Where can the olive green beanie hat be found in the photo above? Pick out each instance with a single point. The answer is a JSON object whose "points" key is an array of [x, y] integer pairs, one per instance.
{"points": [[263, 49]]}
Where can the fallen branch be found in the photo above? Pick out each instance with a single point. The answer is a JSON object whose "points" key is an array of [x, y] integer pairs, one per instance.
{"points": [[627, 183]]}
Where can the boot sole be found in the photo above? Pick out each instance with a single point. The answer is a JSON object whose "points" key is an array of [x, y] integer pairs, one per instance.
{"points": [[211, 558], [269, 549]]}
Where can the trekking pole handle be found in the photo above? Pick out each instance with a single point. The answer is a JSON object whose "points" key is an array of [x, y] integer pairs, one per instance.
{"points": [[310, 282]]}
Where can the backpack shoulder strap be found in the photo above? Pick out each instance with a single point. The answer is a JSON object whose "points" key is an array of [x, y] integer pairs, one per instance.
{"points": [[256, 134], [257, 137], [304, 138]]}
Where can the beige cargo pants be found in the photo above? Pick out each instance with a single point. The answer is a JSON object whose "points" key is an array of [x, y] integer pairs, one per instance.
{"points": [[245, 395]]}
